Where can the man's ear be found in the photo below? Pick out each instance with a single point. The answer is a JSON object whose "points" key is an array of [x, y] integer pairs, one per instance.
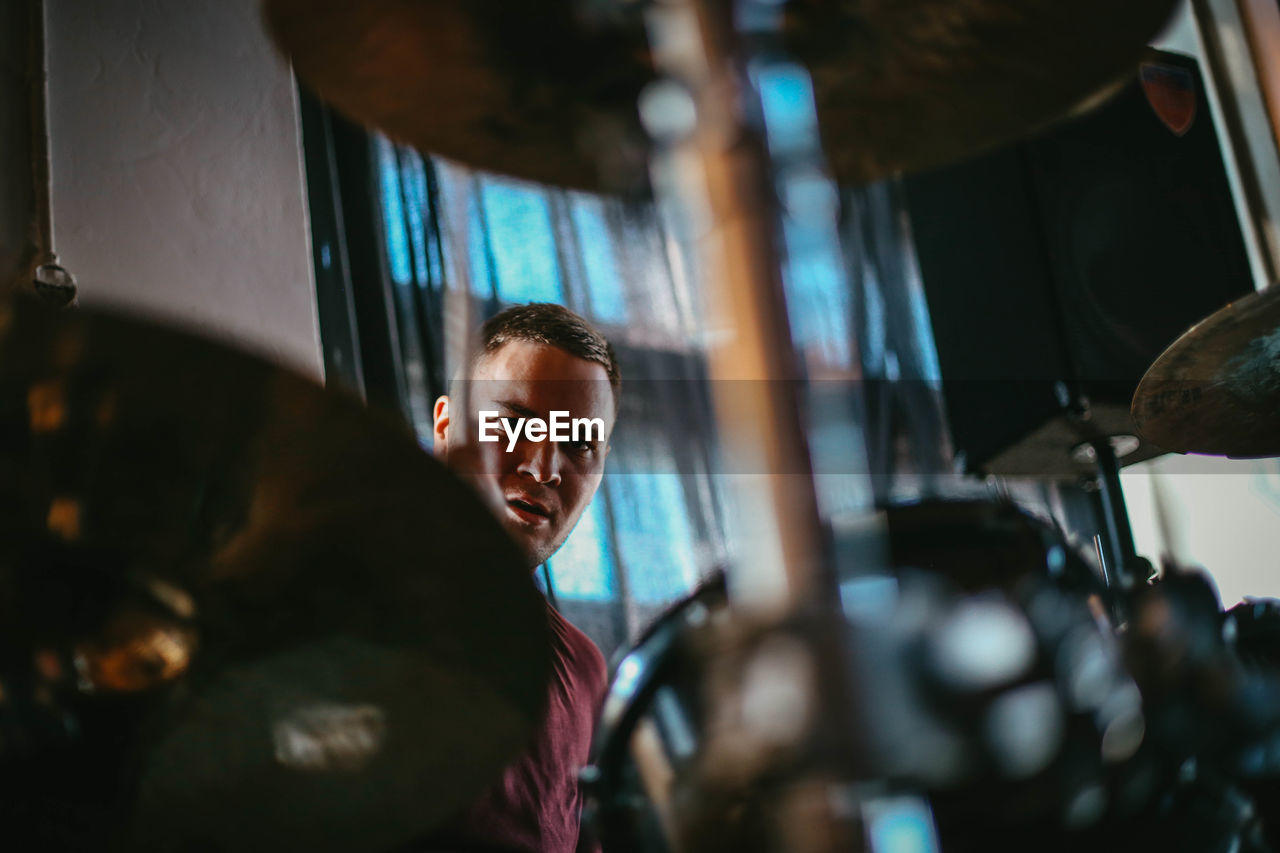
{"points": [[440, 426]]}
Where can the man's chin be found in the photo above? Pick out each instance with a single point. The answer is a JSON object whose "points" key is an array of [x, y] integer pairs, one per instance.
{"points": [[535, 549]]}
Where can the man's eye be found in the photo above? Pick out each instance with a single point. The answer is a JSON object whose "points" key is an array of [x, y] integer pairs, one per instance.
{"points": [[581, 448]]}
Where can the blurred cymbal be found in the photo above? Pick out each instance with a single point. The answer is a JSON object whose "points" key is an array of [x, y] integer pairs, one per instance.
{"points": [[528, 90], [1216, 389], [515, 88], [268, 620], [918, 83]]}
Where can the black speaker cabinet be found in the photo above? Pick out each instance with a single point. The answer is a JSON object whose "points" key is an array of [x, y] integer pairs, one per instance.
{"points": [[1059, 268]]}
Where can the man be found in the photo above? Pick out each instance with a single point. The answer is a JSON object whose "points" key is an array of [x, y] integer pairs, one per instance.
{"points": [[536, 361]]}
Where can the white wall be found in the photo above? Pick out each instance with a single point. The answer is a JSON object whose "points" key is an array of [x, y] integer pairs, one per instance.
{"points": [[177, 169], [1221, 514]]}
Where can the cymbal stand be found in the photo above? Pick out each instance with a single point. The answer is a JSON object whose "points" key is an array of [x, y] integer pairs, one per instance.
{"points": [[1116, 548], [50, 280], [714, 158]]}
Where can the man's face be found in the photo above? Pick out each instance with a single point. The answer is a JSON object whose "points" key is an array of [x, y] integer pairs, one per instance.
{"points": [[540, 488]]}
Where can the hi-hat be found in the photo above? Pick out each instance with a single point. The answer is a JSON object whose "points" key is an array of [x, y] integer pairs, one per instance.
{"points": [[528, 90], [1216, 389], [238, 611]]}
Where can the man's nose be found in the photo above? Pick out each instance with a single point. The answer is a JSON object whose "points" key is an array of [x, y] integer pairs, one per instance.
{"points": [[541, 462]]}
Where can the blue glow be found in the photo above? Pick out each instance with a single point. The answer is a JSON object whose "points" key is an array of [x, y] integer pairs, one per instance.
{"points": [[930, 369], [818, 300], [393, 214], [786, 97], [523, 242], [868, 596], [604, 279], [583, 569], [926, 346], [414, 179], [652, 522], [902, 825], [629, 671], [478, 263], [874, 329]]}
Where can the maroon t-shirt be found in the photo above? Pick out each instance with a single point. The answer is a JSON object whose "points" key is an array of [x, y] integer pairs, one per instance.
{"points": [[535, 806]]}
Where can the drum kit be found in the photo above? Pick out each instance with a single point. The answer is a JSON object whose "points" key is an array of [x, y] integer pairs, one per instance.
{"points": [[227, 624]]}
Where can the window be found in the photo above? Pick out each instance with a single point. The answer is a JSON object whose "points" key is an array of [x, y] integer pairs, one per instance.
{"points": [[650, 535], [432, 231]]}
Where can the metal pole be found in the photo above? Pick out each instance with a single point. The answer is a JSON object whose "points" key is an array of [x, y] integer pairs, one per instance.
{"points": [[38, 65], [49, 279], [755, 374], [1119, 535]]}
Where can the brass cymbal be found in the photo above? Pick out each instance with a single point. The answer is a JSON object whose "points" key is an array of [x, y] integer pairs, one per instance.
{"points": [[267, 619], [918, 83], [516, 88], [1216, 389], [528, 90]]}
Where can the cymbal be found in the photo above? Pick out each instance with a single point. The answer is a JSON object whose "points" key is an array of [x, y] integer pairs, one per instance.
{"points": [[520, 89], [1216, 389], [529, 90], [261, 617], [904, 86]]}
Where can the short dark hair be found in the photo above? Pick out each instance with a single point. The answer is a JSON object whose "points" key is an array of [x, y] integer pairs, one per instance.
{"points": [[554, 325]]}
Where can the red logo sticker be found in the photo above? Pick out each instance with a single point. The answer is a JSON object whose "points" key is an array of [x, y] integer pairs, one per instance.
{"points": [[1171, 91]]}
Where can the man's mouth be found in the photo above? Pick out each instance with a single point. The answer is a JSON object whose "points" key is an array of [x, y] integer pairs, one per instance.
{"points": [[527, 510]]}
